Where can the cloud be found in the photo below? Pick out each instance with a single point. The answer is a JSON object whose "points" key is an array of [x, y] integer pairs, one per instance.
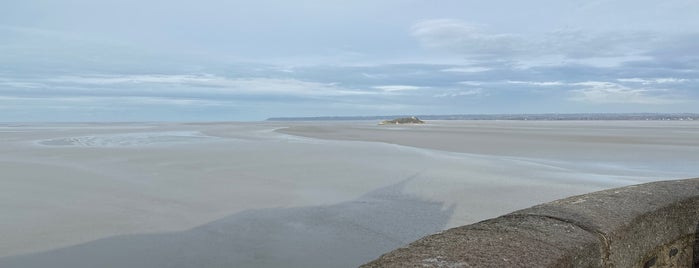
{"points": [[679, 47], [166, 84], [533, 83], [646, 81], [559, 45], [394, 88], [470, 83], [460, 93], [124, 100], [461, 37], [578, 44], [473, 69], [613, 93], [4, 82], [351, 89]]}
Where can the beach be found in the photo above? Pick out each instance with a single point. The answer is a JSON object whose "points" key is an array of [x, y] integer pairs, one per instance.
{"points": [[298, 194]]}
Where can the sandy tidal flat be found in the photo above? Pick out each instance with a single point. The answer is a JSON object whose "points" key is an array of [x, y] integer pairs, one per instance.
{"points": [[295, 194]]}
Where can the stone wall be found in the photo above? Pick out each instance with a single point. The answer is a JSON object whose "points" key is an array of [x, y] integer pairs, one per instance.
{"points": [[647, 225]]}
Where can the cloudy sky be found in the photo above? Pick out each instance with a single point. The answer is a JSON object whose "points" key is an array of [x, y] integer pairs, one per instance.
{"points": [[176, 60]]}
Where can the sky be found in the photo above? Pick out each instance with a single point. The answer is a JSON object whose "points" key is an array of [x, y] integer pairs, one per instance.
{"points": [[217, 60]]}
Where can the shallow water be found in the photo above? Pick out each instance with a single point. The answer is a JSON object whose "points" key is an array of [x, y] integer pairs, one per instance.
{"points": [[129, 139]]}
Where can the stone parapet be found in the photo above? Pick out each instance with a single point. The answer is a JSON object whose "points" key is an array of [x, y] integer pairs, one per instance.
{"points": [[647, 225]]}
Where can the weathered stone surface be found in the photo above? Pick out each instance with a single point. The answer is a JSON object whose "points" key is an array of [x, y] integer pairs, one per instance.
{"points": [[508, 241], [633, 220], [647, 225]]}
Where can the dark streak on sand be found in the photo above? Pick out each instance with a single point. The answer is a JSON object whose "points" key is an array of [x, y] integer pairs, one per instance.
{"points": [[280, 237]]}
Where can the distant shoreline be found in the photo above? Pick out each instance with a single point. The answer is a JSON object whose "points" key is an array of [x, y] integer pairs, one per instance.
{"points": [[542, 117]]}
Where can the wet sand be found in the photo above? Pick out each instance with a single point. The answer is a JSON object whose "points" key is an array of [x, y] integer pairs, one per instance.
{"points": [[298, 194]]}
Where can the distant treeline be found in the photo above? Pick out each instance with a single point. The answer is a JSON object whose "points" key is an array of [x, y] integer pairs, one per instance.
{"points": [[600, 116]]}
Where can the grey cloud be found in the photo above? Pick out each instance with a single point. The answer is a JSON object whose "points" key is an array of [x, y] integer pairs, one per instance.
{"points": [[472, 40], [461, 37], [678, 47], [610, 93], [581, 44]]}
